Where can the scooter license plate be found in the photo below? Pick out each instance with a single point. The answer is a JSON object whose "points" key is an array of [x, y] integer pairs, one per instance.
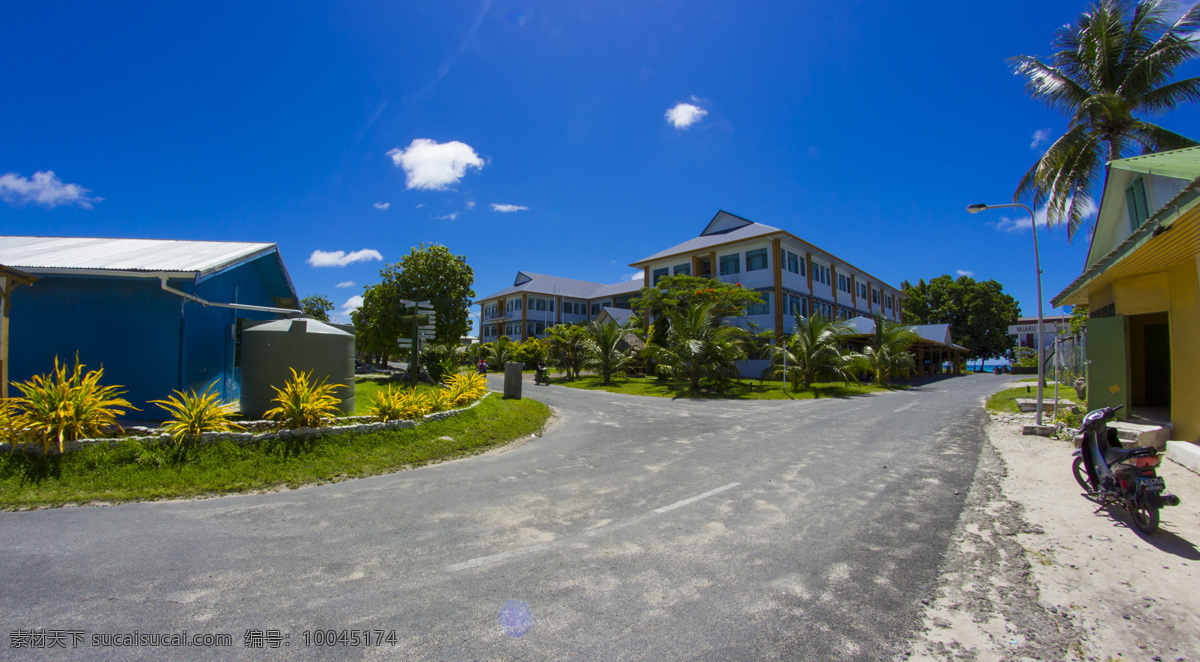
{"points": [[1152, 484]]}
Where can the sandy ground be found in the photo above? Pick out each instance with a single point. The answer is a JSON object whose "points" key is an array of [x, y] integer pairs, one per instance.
{"points": [[1036, 573]]}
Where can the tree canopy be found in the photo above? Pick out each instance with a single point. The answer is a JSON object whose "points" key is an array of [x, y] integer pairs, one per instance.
{"points": [[978, 312], [431, 274], [1110, 69], [316, 306]]}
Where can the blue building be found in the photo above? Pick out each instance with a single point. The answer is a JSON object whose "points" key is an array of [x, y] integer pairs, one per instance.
{"points": [[158, 315]]}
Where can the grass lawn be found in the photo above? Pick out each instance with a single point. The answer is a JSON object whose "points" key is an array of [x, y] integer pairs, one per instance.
{"points": [[365, 389], [134, 472], [1006, 400], [740, 390]]}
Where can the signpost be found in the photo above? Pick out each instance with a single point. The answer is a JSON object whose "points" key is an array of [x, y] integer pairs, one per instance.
{"points": [[423, 322]]}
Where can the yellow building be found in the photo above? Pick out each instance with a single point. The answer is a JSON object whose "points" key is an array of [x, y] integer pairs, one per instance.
{"points": [[1141, 283]]}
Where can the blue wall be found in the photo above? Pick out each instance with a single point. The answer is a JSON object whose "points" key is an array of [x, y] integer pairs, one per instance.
{"points": [[148, 341]]}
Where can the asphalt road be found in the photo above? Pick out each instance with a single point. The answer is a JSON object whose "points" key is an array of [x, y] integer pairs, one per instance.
{"points": [[634, 528]]}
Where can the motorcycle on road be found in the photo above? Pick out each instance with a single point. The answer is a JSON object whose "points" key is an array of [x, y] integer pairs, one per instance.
{"points": [[1114, 475]]}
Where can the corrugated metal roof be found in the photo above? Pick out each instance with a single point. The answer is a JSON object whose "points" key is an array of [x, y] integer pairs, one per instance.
{"points": [[564, 287], [201, 258], [1179, 163]]}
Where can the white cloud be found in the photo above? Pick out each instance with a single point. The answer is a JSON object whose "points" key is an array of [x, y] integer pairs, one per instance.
{"points": [[637, 275], [382, 205], [505, 209], [435, 166], [969, 274], [345, 283], [342, 258], [45, 190], [1040, 137], [470, 204], [448, 217], [1021, 223], [352, 304], [683, 115]]}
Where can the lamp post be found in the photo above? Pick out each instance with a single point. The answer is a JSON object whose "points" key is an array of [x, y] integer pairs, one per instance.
{"points": [[1037, 263]]}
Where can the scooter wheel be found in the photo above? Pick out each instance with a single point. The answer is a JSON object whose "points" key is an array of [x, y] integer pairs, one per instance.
{"points": [[1079, 469], [1144, 515]]}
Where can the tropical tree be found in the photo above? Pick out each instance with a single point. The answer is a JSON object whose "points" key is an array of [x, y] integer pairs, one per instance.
{"points": [[887, 355], [1110, 69], [602, 349], [500, 352], [432, 274], [978, 312], [316, 306], [530, 352], [813, 352], [566, 347], [699, 346]]}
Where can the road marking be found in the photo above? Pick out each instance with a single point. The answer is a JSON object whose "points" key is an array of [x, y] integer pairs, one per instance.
{"points": [[911, 404], [502, 556], [698, 497], [530, 549]]}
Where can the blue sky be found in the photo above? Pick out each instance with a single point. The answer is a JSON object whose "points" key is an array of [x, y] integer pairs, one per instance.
{"points": [[534, 135]]}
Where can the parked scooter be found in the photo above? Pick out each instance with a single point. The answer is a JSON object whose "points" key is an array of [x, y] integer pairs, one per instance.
{"points": [[1113, 475]]}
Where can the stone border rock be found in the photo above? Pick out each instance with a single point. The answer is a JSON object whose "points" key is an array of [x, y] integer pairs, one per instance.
{"points": [[256, 432]]}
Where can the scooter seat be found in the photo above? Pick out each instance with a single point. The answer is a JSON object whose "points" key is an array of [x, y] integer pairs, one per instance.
{"points": [[1114, 455]]}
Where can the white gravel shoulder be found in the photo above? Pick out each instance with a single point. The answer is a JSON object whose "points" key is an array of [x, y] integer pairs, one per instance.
{"points": [[1036, 573]]}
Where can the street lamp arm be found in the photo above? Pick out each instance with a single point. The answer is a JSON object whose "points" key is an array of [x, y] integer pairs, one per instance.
{"points": [[1037, 263]]}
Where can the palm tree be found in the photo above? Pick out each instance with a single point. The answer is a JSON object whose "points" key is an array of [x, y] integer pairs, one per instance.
{"points": [[887, 355], [698, 346], [500, 352], [602, 351], [566, 347], [813, 352], [1110, 68]]}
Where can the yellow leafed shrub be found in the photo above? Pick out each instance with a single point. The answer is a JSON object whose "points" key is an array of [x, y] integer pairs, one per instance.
{"points": [[67, 405], [303, 403], [465, 388], [192, 415]]}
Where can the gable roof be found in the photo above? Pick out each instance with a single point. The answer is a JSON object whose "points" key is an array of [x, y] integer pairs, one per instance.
{"points": [[566, 287], [724, 228], [1099, 268], [937, 334]]}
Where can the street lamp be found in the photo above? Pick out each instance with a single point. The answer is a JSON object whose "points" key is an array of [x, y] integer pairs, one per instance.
{"points": [[1037, 263]]}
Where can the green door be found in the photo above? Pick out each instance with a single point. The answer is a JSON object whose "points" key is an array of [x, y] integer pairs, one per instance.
{"points": [[1108, 363]]}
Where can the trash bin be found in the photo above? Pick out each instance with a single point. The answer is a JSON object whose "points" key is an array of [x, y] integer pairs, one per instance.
{"points": [[512, 380]]}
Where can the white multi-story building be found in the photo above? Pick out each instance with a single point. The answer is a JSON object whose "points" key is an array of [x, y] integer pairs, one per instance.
{"points": [[793, 276]]}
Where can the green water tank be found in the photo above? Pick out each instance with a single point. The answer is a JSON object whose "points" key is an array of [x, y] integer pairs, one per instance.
{"points": [[270, 348]]}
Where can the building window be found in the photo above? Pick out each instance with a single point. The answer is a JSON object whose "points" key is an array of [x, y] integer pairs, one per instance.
{"points": [[539, 304], [844, 283], [797, 305], [793, 263], [756, 260], [516, 304], [1135, 199], [731, 264], [763, 308], [875, 297], [660, 274], [820, 273], [595, 309], [683, 270]]}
